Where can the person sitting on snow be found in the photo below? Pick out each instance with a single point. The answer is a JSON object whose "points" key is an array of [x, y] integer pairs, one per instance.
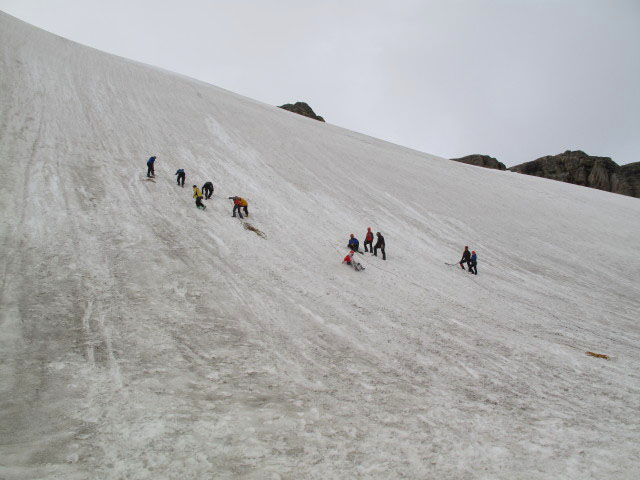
{"points": [[353, 244], [349, 260]]}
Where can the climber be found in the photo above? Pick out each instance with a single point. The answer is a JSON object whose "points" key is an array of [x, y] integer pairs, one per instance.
{"points": [[181, 176], [150, 167], [197, 194]]}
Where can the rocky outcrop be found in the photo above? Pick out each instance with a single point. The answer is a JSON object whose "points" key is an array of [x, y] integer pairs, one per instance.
{"points": [[481, 161], [302, 108], [631, 173], [581, 169]]}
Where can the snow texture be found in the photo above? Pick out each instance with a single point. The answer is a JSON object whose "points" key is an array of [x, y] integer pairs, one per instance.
{"points": [[143, 338]]}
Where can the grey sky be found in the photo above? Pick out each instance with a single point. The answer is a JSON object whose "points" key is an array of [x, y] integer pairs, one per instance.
{"points": [[515, 79]]}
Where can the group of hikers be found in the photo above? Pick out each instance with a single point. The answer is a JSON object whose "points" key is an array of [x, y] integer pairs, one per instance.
{"points": [[354, 245], [206, 192], [240, 204]]}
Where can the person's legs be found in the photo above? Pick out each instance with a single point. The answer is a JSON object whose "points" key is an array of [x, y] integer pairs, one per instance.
{"points": [[384, 255], [149, 170], [246, 211], [182, 177], [461, 264]]}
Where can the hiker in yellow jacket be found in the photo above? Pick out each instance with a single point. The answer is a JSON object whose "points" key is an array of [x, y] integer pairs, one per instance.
{"points": [[197, 194]]}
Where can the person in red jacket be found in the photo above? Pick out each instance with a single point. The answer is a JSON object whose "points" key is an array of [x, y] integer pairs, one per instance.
{"points": [[368, 240], [349, 260]]}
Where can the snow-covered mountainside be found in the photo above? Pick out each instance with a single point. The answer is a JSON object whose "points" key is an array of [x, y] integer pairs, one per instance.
{"points": [[143, 338]]}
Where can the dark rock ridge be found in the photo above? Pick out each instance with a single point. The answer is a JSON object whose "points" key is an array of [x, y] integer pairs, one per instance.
{"points": [[481, 161], [631, 173], [581, 169], [302, 108]]}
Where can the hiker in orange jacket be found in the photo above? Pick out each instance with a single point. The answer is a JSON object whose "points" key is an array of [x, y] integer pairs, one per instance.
{"points": [[238, 203]]}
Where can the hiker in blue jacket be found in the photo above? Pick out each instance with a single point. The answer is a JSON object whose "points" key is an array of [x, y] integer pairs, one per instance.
{"points": [[353, 243], [150, 170], [181, 176], [473, 265]]}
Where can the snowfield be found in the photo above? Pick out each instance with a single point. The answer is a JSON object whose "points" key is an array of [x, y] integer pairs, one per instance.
{"points": [[145, 339]]}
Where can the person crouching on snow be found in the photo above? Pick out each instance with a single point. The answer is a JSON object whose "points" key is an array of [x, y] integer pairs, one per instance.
{"points": [[197, 194], [349, 260], [353, 244], [238, 203]]}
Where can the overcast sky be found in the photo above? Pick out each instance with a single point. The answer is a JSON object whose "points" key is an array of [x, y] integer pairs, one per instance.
{"points": [[515, 79]]}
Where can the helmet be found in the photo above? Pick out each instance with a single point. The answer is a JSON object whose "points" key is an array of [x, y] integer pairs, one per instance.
{"points": [[368, 229], [473, 251], [466, 247], [352, 235], [351, 252], [195, 186]]}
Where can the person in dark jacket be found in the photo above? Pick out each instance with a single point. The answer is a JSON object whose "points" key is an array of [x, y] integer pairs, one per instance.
{"points": [[207, 189], [353, 244], [181, 176], [466, 255], [473, 267], [379, 245], [368, 240], [150, 169]]}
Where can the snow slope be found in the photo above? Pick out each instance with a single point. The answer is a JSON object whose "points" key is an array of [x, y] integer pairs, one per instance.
{"points": [[145, 339]]}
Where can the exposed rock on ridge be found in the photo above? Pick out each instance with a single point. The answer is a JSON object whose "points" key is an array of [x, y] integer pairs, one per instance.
{"points": [[581, 169], [481, 161], [631, 173], [301, 108]]}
